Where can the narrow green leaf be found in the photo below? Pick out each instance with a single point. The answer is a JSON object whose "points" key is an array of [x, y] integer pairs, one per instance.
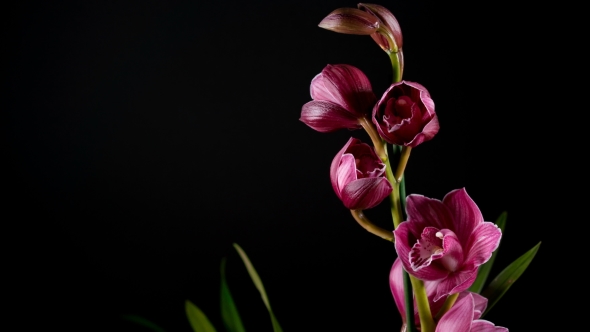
{"points": [[143, 322], [229, 311], [199, 322], [258, 283], [484, 269], [507, 277]]}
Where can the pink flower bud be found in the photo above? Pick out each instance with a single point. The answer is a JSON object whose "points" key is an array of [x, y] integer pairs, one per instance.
{"points": [[357, 176]]}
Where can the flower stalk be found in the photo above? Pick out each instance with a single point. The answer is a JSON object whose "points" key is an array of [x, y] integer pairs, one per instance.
{"points": [[426, 320], [360, 217]]}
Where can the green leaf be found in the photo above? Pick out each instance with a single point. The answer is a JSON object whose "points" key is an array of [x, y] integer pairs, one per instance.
{"points": [[199, 322], [143, 322], [258, 283], [484, 269], [507, 277], [229, 311]]}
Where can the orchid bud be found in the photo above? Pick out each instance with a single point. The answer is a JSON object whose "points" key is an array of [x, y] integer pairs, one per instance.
{"points": [[389, 34], [350, 21], [357, 176]]}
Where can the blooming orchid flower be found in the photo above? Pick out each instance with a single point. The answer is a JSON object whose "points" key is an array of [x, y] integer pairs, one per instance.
{"points": [[463, 316], [405, 115], [357, 176], [445, 241], [342, 95]]}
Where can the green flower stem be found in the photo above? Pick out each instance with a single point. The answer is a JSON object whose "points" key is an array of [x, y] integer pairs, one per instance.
{"points": [[448, 304], [396, 212], [360, 217], [378, 143], [426, 321], [403, 161], [396, 60], [409, 300]]}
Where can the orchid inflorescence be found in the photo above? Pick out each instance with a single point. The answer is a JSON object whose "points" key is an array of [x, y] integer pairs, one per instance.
{"points": [[445, 248]]}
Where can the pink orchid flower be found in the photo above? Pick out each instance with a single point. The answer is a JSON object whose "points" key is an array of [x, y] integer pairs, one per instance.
{"points": [[357, 176], [342, 94], [405, 115], [463, 316], [445, 241]]}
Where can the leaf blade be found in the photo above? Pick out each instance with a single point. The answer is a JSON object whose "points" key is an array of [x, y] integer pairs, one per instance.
{"points": [[143, 322], [199, 322], [505, 279], [258, 283], [484, 269], [229, 311]]}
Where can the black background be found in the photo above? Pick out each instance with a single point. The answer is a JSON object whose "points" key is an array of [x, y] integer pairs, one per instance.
{"points": [[143, 138]]}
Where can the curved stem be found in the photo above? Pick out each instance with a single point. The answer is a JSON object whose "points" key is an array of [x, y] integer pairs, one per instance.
{"points": [[378, 143], [360, 217], [403, 161], [397, 64]]}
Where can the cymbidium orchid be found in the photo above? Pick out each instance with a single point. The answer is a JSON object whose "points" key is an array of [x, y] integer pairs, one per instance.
{"points": [[405, 115], [357, 176], [445, 241], [342, 98], [464, 315]]}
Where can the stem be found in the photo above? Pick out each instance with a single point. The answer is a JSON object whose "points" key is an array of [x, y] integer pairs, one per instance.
{"points": [[396, 212], [403, 161], [426, 321], [360, 217], [378, 143], [397, 60], [409, 299], [448, 305]]}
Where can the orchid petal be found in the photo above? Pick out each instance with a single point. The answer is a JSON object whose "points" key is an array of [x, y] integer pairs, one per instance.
{"points": [[396, 284], [325, 116], [428, 132], [480, 303], [455, 283], [428, 211], [336, 164], [350, 21], [346, 172], [427, 249], [465, 213], [365, 193], [452, 255], [350, 88], [402, 235], [387, 19], [459, 317], [486, 326], [484, 239]]}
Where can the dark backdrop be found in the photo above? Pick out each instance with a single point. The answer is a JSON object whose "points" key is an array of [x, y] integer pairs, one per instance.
{"points": [[143, 138]]}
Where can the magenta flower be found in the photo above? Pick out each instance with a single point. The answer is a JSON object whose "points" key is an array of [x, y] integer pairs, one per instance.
{"points": [[341, 94], [463, 316], [357, 176], [445, 241], [389, 34], [374, 20], [405, 115]]}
